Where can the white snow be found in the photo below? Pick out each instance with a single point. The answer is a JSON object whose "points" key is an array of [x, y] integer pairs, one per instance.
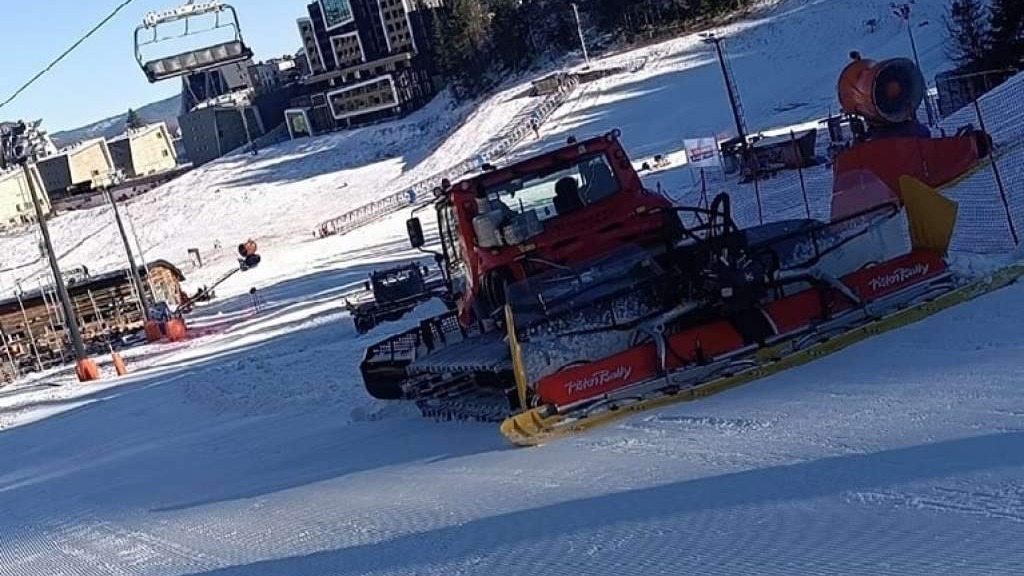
{"points": [[252, 449]]}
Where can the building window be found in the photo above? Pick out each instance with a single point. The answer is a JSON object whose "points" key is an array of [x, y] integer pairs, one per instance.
{"points": [[336, 13], [166, 153]]}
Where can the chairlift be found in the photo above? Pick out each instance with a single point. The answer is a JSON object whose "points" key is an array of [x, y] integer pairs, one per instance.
{"points": [[201, 60]]}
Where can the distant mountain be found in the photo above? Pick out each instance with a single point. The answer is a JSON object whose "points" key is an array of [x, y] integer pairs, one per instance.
{"points": [[162, 111]]}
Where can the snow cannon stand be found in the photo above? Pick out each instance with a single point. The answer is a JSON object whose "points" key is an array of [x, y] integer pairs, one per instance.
{"points": [[164, 323], [86, 370]]}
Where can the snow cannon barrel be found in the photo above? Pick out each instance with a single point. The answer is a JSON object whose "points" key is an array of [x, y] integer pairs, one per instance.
{"points": [[883, 93], [247, 248], [248, 253]]}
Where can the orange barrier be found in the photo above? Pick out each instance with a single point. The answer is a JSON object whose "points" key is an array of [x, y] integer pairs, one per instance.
{"points": [[153, 332], [87, 370], [119, 366], [176, 330]]}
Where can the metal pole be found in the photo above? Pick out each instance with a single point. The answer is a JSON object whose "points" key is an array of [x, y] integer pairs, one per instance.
{"points": [[704, 201], [28, 330], [133, 272], [995, 169], [142, 254], [10, 356], [248, 134], [49, 317], [741, 130], [579, 29], [58, 280], [99, 317], [800, 171], [917, 59], [757, 193], [905, 12]]}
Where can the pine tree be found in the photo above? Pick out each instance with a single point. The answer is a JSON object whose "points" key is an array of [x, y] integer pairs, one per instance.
{"points": [[968, 31], [133, 121], [1007, 37], [463, 35], [510, 34]]}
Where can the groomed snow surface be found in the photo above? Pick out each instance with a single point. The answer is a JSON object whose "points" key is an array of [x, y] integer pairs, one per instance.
{"points": [[252, 449]]}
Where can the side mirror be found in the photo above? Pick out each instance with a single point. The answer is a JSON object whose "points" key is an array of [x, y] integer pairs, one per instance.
{"points": [[415, 228]]}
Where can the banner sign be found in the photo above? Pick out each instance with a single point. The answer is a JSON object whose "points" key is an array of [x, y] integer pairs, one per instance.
{"points": [[701, 152]]}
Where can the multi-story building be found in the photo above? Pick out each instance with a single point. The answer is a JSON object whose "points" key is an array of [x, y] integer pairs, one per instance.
{"points": [[220, 126], [367, 60], [16, 200], [144, 151], [78, 168], [271, 74]]}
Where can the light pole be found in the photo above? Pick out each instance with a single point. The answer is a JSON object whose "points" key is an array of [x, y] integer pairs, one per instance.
{"points": [[730, 87], [142, 254], [133, 272], [904, 11], [86, 369], [579, 30]]}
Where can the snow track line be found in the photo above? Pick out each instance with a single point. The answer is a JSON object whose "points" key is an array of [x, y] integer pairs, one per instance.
{"points": [[532, 428]]}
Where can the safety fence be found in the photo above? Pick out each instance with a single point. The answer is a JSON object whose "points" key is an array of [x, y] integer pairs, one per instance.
{"points": [[517, 130], [990, 198]]}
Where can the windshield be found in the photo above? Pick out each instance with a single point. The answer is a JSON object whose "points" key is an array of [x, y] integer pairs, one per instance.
{"points": [[557, 192]]}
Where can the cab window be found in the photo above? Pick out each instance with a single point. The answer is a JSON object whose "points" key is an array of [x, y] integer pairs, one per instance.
{"points": [[558, 192]]}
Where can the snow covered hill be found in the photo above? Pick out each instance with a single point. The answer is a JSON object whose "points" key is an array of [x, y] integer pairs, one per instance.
{"points": [[252, 449], [166, 110]]}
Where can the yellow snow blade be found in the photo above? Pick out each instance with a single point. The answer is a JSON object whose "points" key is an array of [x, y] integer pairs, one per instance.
{"points": [[518, 370], [532, 427], [932, 216]]}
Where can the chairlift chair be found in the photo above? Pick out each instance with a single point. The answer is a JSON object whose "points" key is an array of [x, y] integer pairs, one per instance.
{"points": [[193, 61]]}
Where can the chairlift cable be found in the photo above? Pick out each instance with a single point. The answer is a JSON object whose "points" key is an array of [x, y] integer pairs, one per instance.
{"points": [[124, 4]]}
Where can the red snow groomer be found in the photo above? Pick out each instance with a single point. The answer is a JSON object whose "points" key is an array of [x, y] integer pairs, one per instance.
{"points": [[583, 296]]}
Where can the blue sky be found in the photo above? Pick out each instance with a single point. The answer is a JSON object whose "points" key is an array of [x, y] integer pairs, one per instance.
{"points": [[101, 78]]}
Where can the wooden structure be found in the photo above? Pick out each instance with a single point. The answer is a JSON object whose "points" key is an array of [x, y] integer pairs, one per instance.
{"points": [[107, 307]]}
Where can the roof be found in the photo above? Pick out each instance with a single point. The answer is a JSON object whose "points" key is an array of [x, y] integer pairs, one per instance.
{"points": [[138, 132], [13, 172], [178, 274], [74, 149]]}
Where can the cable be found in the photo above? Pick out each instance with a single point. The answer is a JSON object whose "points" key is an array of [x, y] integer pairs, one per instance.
{"points": [[65, 54]]}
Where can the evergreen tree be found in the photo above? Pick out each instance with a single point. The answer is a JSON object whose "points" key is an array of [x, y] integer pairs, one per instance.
{"points": [[133, 120], [1007, 36], [462, 34], [967, 27], [510, 34], [475, 39]]}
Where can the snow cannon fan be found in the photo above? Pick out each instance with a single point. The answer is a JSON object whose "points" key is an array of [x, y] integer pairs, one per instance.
{"points": [[884, 93], [249, 258]]}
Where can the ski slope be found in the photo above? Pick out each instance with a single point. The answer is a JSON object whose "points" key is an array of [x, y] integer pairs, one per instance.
{"points": [[253, 450]]}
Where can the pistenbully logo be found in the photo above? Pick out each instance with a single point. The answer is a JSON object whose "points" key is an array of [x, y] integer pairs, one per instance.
{"points": [[899, 276], [599, 379]]}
